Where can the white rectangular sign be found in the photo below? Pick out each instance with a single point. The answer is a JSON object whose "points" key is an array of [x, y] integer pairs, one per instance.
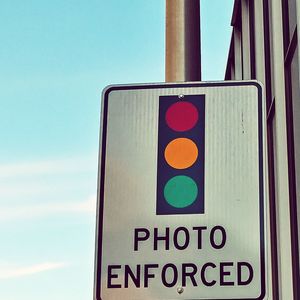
{"points": [[181, 196]]}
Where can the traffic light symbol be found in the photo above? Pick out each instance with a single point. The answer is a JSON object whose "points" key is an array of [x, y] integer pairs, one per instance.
{"points": [[180, 163]]}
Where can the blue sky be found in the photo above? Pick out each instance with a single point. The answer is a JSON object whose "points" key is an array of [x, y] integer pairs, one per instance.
{"points": [[55, 58]]}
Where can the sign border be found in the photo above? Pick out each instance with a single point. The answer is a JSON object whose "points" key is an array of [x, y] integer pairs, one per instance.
{"points": [[101, 171]]}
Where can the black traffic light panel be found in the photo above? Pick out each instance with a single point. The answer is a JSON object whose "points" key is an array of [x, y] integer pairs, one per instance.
{"points": [[181, 155]]}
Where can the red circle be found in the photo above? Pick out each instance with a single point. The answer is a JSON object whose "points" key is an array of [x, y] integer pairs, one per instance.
{"points": [[182, 116]]}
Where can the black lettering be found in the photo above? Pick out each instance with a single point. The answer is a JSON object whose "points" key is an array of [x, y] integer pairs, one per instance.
{"points": [[203, 278], [250, 270], [175, 238], [135, 279], [138, 237], [164, 275], [165, 238], [199, 229], [110, 268], [147, 274], [191, 274], [223, 238], [223, 273]]}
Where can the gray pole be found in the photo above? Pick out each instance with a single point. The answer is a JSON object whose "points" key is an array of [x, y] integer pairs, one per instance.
{"points": [[183, 49]]}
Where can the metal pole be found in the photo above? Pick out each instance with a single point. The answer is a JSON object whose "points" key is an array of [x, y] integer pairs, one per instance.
{"points": [[183, 49]]}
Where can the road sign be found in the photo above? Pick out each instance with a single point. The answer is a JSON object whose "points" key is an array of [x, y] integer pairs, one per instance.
{"points": [[181, 197]]}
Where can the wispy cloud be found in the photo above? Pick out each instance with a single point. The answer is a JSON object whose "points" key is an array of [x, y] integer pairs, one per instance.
{"points": [[56, 182], [53, 166], [42, 210], [8, 271], [39, 188]]}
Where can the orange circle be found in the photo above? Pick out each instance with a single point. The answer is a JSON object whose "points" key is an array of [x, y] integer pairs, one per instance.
{"points": [[181, 153]]}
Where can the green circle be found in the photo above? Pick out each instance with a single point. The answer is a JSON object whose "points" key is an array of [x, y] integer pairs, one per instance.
{"points": [[181, 191]]}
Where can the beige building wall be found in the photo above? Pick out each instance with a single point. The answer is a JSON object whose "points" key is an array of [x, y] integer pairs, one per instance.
{"points": [[258, 51], [280, 159]]}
